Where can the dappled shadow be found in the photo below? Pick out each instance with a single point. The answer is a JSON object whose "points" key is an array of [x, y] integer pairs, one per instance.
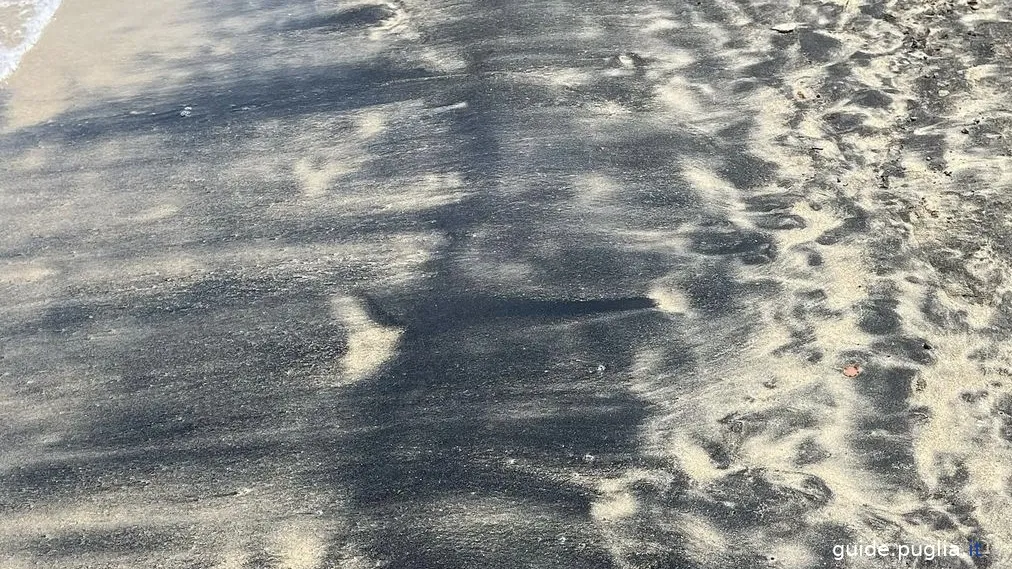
{"points": [[557, 254]]}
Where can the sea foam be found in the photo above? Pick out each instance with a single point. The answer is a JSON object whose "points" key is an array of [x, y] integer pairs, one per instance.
{"points": [[21, 25]]}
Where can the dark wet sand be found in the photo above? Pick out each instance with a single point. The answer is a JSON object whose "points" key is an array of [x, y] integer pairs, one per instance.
{"points": [[433, 284]]}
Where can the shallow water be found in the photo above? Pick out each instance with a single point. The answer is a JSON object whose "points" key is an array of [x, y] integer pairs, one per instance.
{"points": [[21, 25]]}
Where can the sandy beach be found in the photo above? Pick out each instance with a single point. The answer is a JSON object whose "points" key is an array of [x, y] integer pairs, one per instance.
{"points": [[519, 284]]}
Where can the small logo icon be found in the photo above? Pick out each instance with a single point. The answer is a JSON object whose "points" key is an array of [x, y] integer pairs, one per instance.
{"points": [[978, 548]]}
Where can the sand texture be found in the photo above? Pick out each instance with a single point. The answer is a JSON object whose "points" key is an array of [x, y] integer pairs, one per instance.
{"points": [[506, 284]]}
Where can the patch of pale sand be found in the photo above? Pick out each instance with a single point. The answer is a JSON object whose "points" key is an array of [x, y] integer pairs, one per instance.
{"points": [[317, 170], [754, 362], [615, 510], [594, 189], [957, 435], [655, 242], [327, 171], [714, 194], [353, 557], [442, 59], [669, 298], [790, 554], [843, 284], [392, 258], [25, 272], [233, 558], [232, 530], [674, 58], [689, 410], [318, 166], [982, 266], [98, 269], [980, 76], [805, 86], [693, 107], [693, 459], [878, 74], [659, 23], [983, 14], [937, 194], [371, 123], [370, 344], [398, 26], [733, 16], [63, 199], [74, 62], [874, 147], [979, 165], [317, 176], [717, 194], [32, 159], [700, 538], [680, 98], [397, 252], [741, 382], [428, 192], [840, 275], [50, 519], [986, 84], [153, 213], [773, 112], [810, 135], [562, 78], [615, 506], [601, 195], [300, 544], [854, 493], [619, 517]]}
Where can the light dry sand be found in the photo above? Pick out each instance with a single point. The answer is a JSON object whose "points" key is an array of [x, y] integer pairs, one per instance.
{"points": [[532, 284]]}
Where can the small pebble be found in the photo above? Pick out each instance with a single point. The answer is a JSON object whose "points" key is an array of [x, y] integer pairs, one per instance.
{"points": [[853, 370]]}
